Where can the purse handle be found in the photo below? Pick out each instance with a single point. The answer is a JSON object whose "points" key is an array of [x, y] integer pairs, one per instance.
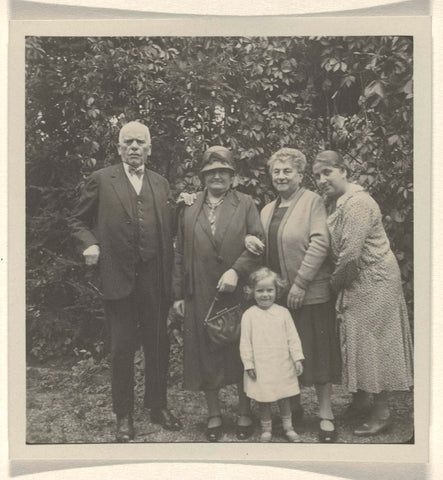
{"points": [[211, 307]]}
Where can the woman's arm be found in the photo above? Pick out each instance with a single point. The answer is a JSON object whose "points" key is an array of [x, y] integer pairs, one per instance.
{"points": [[357, 222], [247, 262], [254, 245], [318, 246]]}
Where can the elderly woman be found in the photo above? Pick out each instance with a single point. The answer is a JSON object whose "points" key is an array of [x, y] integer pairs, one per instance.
{"points": [[376, 341], [211, 256], [297, 247]]}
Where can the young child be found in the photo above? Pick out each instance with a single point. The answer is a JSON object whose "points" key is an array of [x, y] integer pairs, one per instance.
{"points": [[271, 352]]}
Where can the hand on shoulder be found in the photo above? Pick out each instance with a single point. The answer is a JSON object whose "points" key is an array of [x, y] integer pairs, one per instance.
{"points": [[187, 199]]}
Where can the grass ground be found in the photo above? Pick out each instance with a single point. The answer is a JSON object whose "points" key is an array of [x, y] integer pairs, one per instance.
{"points": [[66, 404]]}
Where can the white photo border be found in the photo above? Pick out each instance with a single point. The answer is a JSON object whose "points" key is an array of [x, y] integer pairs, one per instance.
{"points": [[420, 29]]}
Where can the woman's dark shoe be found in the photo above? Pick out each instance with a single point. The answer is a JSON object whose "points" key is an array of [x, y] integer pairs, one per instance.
{"points": [[327, 436], [244, 431], [125, 429], [213, 434], [373, 426]]}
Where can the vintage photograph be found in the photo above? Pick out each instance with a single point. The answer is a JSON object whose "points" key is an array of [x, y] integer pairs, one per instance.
{"points": [[219, 239]]}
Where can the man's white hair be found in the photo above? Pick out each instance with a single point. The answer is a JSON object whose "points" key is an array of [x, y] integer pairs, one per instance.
{"points": [[134, 124]]}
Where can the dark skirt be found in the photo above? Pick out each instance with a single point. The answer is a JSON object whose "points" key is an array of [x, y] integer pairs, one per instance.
{"points": [[317, 329]]}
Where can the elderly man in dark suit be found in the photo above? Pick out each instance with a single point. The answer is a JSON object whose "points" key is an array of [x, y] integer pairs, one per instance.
{"points": [[124, 222]]}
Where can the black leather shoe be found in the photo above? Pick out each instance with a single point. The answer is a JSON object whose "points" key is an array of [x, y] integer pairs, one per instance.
{"points": [[165, 418], [327, 436], [244, 431], [373, 426], [213, 434], [125, 429]]}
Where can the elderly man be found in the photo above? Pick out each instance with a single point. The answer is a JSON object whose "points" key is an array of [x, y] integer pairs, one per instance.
{"points": [[124, 223]]}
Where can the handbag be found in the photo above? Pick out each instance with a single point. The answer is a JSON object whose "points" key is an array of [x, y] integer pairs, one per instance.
{"points": [[223, 327]]}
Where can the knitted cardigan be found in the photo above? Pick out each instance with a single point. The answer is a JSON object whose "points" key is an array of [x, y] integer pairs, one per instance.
{"points": [[303, 245]]}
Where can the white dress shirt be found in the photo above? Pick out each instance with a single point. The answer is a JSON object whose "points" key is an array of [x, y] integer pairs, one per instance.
{"points": [[136, 181]]}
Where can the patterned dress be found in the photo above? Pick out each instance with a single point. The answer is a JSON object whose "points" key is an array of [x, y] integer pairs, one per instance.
{"points": [[374, 326]]}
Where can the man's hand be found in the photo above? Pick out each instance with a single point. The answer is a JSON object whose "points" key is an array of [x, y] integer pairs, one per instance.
{"points": [[298, 367], [228, 281], [179, 307], [91, 255], [251, 373], [187, 198], [254, 244], [295, 297]]}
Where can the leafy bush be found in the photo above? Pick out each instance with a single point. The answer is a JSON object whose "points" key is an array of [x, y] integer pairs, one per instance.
{"points": [[89, 365], [253, 95]]}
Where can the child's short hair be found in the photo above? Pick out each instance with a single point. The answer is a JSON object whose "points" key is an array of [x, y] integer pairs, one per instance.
{"points": [[261, 274]]}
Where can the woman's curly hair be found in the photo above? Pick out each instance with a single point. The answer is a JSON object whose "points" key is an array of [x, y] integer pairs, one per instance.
{"points": [[259, 275]]}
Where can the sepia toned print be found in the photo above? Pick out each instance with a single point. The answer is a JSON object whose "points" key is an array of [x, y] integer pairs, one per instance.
{"points": [[93, 219], [86, 96]]}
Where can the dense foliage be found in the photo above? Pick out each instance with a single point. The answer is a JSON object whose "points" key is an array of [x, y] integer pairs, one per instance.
{"points": [[254, 95]]}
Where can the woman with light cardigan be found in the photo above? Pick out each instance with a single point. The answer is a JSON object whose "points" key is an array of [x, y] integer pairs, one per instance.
{"points": [[297, 248]]}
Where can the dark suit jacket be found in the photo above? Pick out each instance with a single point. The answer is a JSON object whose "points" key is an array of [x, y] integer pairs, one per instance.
{"points": [[103, 216]]}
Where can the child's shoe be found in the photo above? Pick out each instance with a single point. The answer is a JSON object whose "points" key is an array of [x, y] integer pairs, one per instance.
{"points": [[292, 436], [266, 437], [266, 431], [290, 433]]}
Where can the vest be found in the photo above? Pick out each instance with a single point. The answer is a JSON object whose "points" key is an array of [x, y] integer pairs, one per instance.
{"points": [[146, 239]]}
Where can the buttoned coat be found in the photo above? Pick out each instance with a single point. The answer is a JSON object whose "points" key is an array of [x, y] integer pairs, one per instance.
{"points": [[104, 216]]}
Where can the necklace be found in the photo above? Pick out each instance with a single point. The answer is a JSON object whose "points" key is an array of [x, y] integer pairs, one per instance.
{"points": [[212, 206]]}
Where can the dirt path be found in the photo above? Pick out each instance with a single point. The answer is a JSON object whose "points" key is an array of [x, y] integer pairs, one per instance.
{"points": [[61, 408]]}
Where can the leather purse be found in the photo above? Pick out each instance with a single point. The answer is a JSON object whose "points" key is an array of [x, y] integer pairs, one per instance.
{"points": [[223, 326]]}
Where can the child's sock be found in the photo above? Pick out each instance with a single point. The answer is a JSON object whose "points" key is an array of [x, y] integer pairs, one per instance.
{"points": [[290, 433], [287, 423], [266, 427]]}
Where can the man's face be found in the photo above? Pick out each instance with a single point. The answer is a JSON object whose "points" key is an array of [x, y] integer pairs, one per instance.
{"points": [[134, 146]]}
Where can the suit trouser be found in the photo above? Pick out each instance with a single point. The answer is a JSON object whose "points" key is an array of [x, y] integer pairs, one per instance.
{"points": [[139, 318]]}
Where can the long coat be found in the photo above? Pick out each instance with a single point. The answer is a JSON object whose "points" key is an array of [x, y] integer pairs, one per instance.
{"points": [[201, 259], [104, 216]]}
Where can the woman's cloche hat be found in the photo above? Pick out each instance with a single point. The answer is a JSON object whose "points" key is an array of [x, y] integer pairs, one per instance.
{"points": [[217, 157]]}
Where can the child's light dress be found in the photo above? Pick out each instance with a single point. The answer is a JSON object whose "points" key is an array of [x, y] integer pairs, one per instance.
{"points": [[270, 344]]}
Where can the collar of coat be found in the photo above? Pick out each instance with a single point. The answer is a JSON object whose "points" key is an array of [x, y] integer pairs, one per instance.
{"points": [[229, 206], [231, 197]]}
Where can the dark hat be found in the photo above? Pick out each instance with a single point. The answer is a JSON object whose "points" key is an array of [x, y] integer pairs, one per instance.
{"points": [[217, 157]]}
